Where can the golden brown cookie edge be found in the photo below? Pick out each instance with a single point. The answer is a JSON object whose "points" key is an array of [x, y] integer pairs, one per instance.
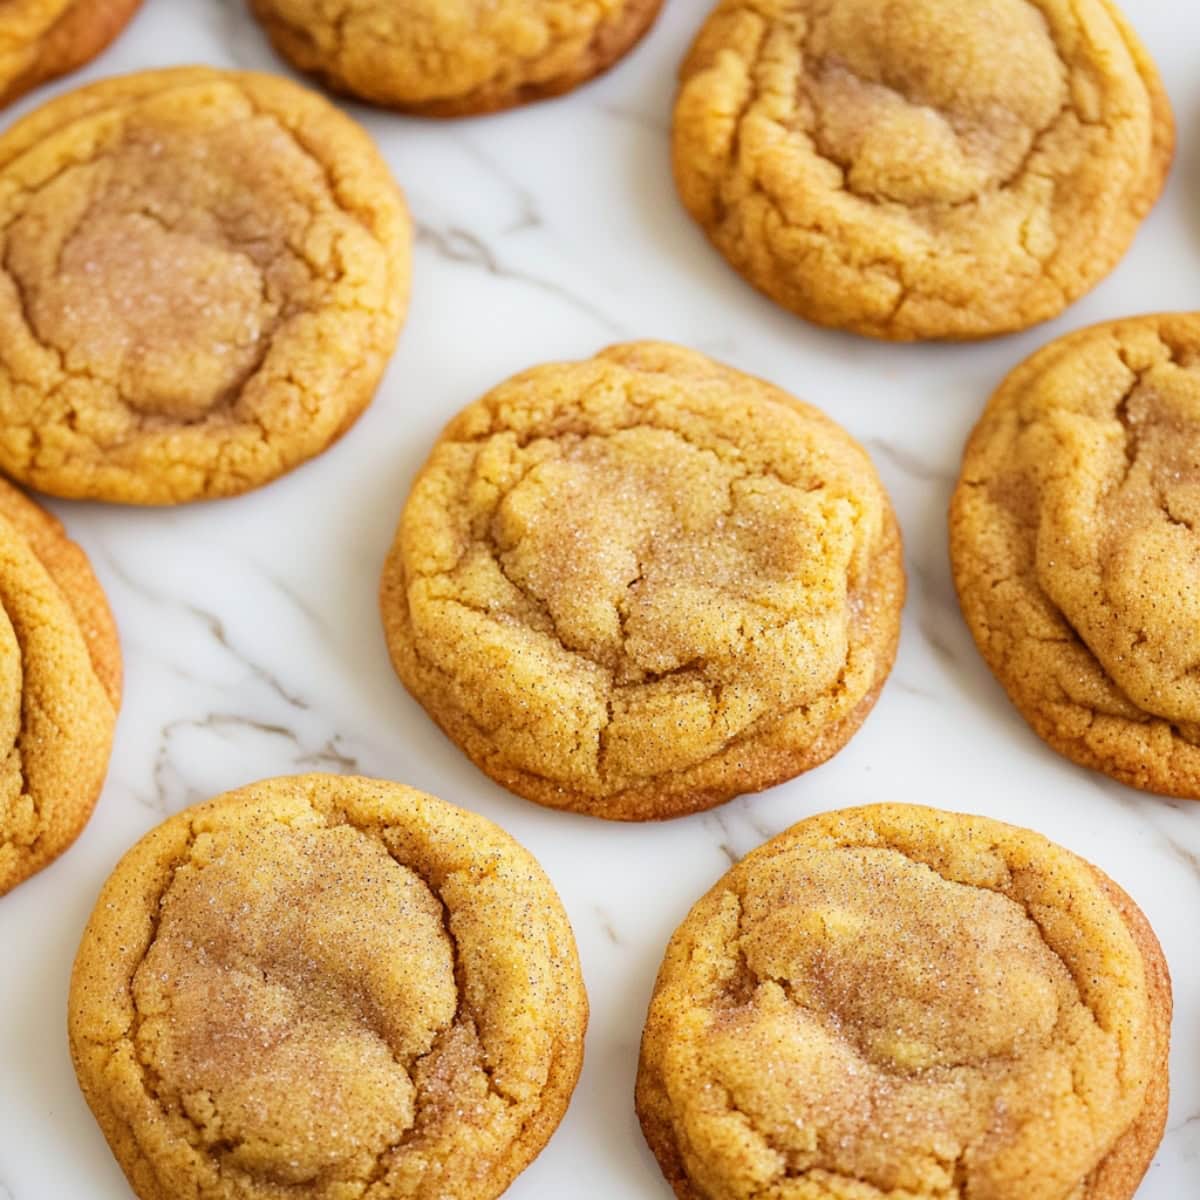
{"points": [[612, 48], [79, 35]]}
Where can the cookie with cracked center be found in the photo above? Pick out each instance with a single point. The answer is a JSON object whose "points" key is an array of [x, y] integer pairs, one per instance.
{"points": [[896, 1001], [202, 276], [43, 39], [325, 987], [60, 687], [932, 169], [639, 585], [1073, 536], [451, 58]]}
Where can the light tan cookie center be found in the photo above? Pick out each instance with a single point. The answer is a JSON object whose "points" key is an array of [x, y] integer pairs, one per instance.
{"points": [[949, 976], [296, 977], [1118, 547], [931, 101], [163, 265], [652, 556]]}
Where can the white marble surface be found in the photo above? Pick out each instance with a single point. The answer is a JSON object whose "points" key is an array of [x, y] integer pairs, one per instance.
{"points": [[253, 647]]}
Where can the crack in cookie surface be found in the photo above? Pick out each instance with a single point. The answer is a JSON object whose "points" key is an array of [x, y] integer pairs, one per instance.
{"points": [[341, 989], [938, 169], [1074, 545], [894, 1002], [203, 274], [617, 570]]}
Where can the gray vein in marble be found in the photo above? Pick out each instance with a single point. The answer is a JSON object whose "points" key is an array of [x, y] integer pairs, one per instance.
{"points": [[461, 246], [327, 757], [607, 925], [659, 126], [931, 616], [215, 627], [908, 462], [1142, 806], [527, 216], [725, 822]]}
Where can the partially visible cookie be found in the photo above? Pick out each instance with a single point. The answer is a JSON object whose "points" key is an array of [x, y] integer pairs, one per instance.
{"points": [[928, 169], [1073, 536], [899, 1002], [639, 585], [202, 277], [327, 987], [60, 687], [43, 39], [450, 58]]}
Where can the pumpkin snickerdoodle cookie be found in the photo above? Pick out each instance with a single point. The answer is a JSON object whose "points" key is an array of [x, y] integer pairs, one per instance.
{"points": [[928, 169], [898, 1002], [1075, 547], [43, 39], [639, 585], [327, 987], [449, 58], [60, 686], [202, 275]]}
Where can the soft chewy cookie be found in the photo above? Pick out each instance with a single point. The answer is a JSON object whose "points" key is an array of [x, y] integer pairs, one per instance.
{"points": [[60, 685], [449, 58], [927, 169], [202, 275], [1073, 535], [323, 988], [638, 585], [895, 1002], [42, 39]]}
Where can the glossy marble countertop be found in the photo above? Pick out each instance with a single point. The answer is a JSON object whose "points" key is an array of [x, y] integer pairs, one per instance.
{"points": [[253, 646]]}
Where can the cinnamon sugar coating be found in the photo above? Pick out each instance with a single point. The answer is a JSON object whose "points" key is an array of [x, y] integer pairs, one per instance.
{"points": [[638, 585], [331, 988], [895, 1002], [202, 275]]}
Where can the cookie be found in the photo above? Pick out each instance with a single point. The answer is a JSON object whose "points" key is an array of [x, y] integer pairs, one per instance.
{"points": [[899, 1002], [1072, 537], [932, 169], [452, 58], [327, 987], [60, 687], [639, 585], [202, 275], [43, 39]]}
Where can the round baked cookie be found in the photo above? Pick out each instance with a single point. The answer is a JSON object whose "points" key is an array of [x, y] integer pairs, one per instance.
{"points": [[43, 39], [638, 585], [895, 1002], [202, 276], [930, 169], [327, 987], [452, 58], [1073, 536], [60, 686]]}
